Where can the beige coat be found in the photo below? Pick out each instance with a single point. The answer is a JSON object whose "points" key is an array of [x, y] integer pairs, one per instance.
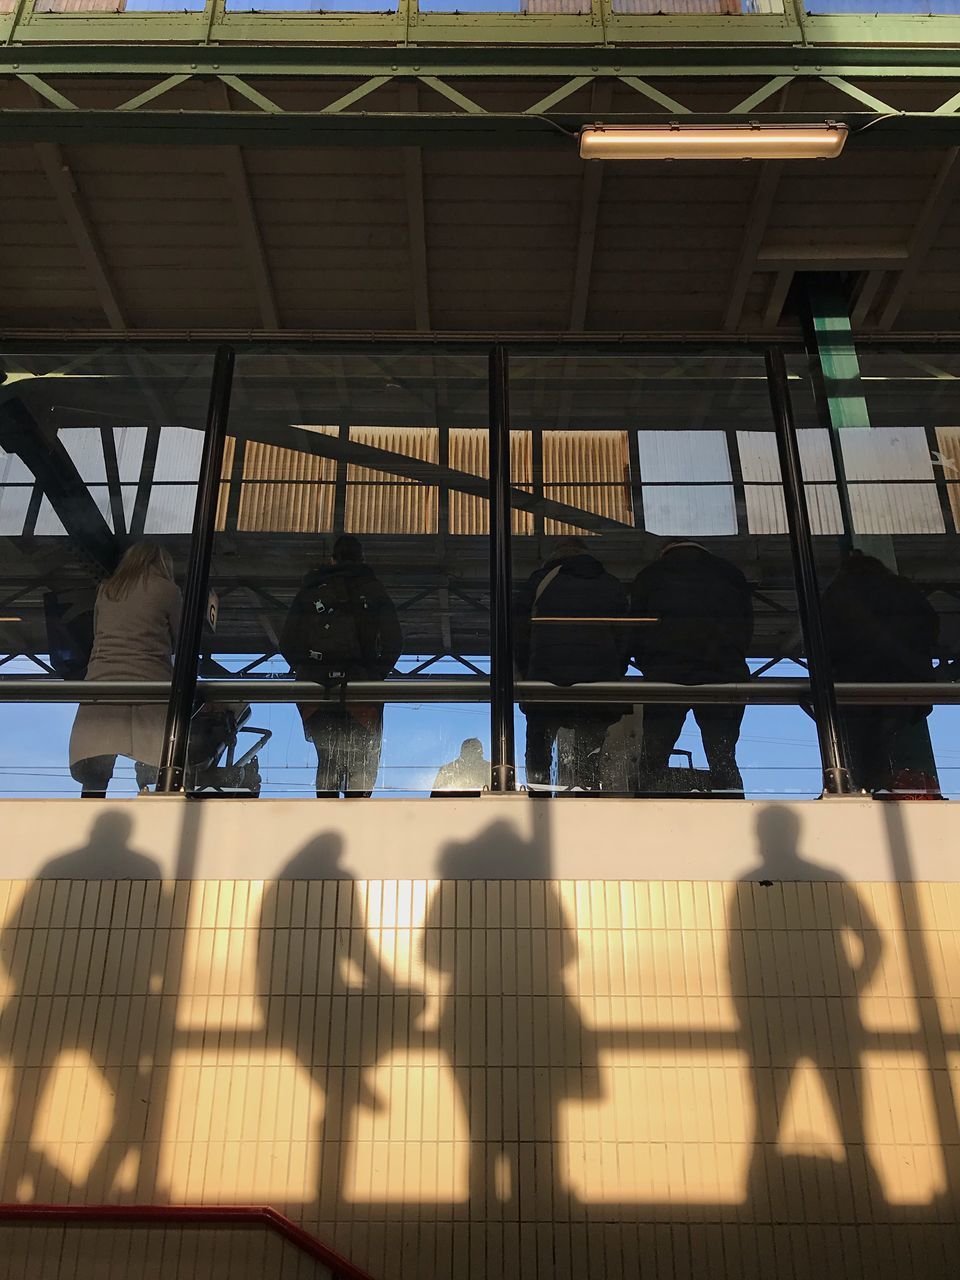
{"points": [[133, 640]]}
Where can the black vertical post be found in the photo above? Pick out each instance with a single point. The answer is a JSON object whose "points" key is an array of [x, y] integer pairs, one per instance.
{"points": [[836, 775], [501, 591], [183, 685]]}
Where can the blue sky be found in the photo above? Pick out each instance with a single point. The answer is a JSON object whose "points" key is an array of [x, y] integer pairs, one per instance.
{"points": [[777, 751]]}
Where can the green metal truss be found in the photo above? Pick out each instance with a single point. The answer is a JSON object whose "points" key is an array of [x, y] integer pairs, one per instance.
{"points": [[598, 25], [455, 56], [454, 111]]}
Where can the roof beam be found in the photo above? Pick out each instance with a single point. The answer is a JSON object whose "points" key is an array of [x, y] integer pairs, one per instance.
{"points": [[235, 170], [361, 455], [869, 287], [440, 128], [416, 219], [590, 193], [45, 456], [74, 210], [924, 233], [761, 206], [773, 308]]}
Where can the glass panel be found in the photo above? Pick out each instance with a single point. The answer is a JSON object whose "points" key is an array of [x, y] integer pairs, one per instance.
{"points": [[891, 585], [99, 454], [640, 554], [351, 545]]}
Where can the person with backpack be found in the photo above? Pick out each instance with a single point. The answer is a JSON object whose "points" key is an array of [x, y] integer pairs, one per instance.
{"points": [[700, 624], [569, 631], [343, 626], [880, 628]]}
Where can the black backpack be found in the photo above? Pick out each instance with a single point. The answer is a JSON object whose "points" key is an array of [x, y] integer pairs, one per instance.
{"points": [[336, 633]]}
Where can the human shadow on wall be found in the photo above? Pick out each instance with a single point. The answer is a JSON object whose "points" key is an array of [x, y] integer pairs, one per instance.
{"points": [[793, 984], [513, 1065], [106, 971], [347, 975]]}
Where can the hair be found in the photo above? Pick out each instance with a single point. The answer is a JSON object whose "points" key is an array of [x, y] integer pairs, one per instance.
{"points": [[568, 547], [141, 561], [674, 543], [348, 548]]}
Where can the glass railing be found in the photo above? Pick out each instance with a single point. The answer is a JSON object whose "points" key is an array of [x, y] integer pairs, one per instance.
{"points": [[350, 630]]}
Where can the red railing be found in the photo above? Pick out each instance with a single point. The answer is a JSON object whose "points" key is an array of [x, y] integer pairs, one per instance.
{"points": [[152, 1215]]}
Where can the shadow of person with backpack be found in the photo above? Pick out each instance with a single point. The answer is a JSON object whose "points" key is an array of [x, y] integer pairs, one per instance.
{"points": [[343, 626]]}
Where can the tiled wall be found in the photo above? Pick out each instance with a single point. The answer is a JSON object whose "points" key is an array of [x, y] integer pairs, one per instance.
{"points": [[518, 1078]]}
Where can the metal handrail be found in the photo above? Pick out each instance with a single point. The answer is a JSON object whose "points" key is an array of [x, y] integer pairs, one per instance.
{"points": [[772, 691], [141, 1215]]}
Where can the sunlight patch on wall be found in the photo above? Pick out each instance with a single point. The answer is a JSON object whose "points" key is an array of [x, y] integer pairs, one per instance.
{"points": [[75, 1116], [901, 1128], [240, 1129], [412, 1142], [665, 1128], [808, 1126]]}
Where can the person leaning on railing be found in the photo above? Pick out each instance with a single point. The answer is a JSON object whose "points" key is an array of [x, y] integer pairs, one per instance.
{"points": [[881, 628], [135, 623], [343, 626], [571, 629], [699, 626]]}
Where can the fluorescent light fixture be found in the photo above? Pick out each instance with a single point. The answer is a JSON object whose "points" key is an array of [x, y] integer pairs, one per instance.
{"points": [[712, 142]]}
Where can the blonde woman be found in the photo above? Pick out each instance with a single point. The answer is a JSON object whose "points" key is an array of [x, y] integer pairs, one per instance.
{"points": [[135, 625]]}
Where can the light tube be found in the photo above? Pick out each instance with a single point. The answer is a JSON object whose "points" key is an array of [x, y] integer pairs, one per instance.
{"points": [[712, 142]]}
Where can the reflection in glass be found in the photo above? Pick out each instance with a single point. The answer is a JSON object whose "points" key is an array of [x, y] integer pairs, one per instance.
{"points": [[136, 620], [699, 614], [571, 628], [887, 550], [648, 460], [353, 524], [342, 626], [99, 457]]}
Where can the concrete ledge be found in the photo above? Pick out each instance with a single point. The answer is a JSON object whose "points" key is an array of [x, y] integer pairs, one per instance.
{"points": [[493, 838]]}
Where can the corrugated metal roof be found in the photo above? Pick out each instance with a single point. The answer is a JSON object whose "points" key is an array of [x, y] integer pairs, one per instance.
{"points": [[670, 506], [589, 471], [948, 442], [874, 455], [685, 476], [883, 454]]}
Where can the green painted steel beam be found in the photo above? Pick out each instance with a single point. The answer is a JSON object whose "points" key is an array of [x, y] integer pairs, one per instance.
{"points": [[526, 62], [599, 26], [377, 129]]}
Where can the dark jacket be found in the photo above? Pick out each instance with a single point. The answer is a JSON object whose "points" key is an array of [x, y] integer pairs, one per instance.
{"points": [[377, 640], [878, 625], [572, 652], [705, 618]]}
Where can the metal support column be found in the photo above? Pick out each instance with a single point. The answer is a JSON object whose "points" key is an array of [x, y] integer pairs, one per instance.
{"points": [[183, 684], [836, 775], [501, 591], [835, 375]]}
